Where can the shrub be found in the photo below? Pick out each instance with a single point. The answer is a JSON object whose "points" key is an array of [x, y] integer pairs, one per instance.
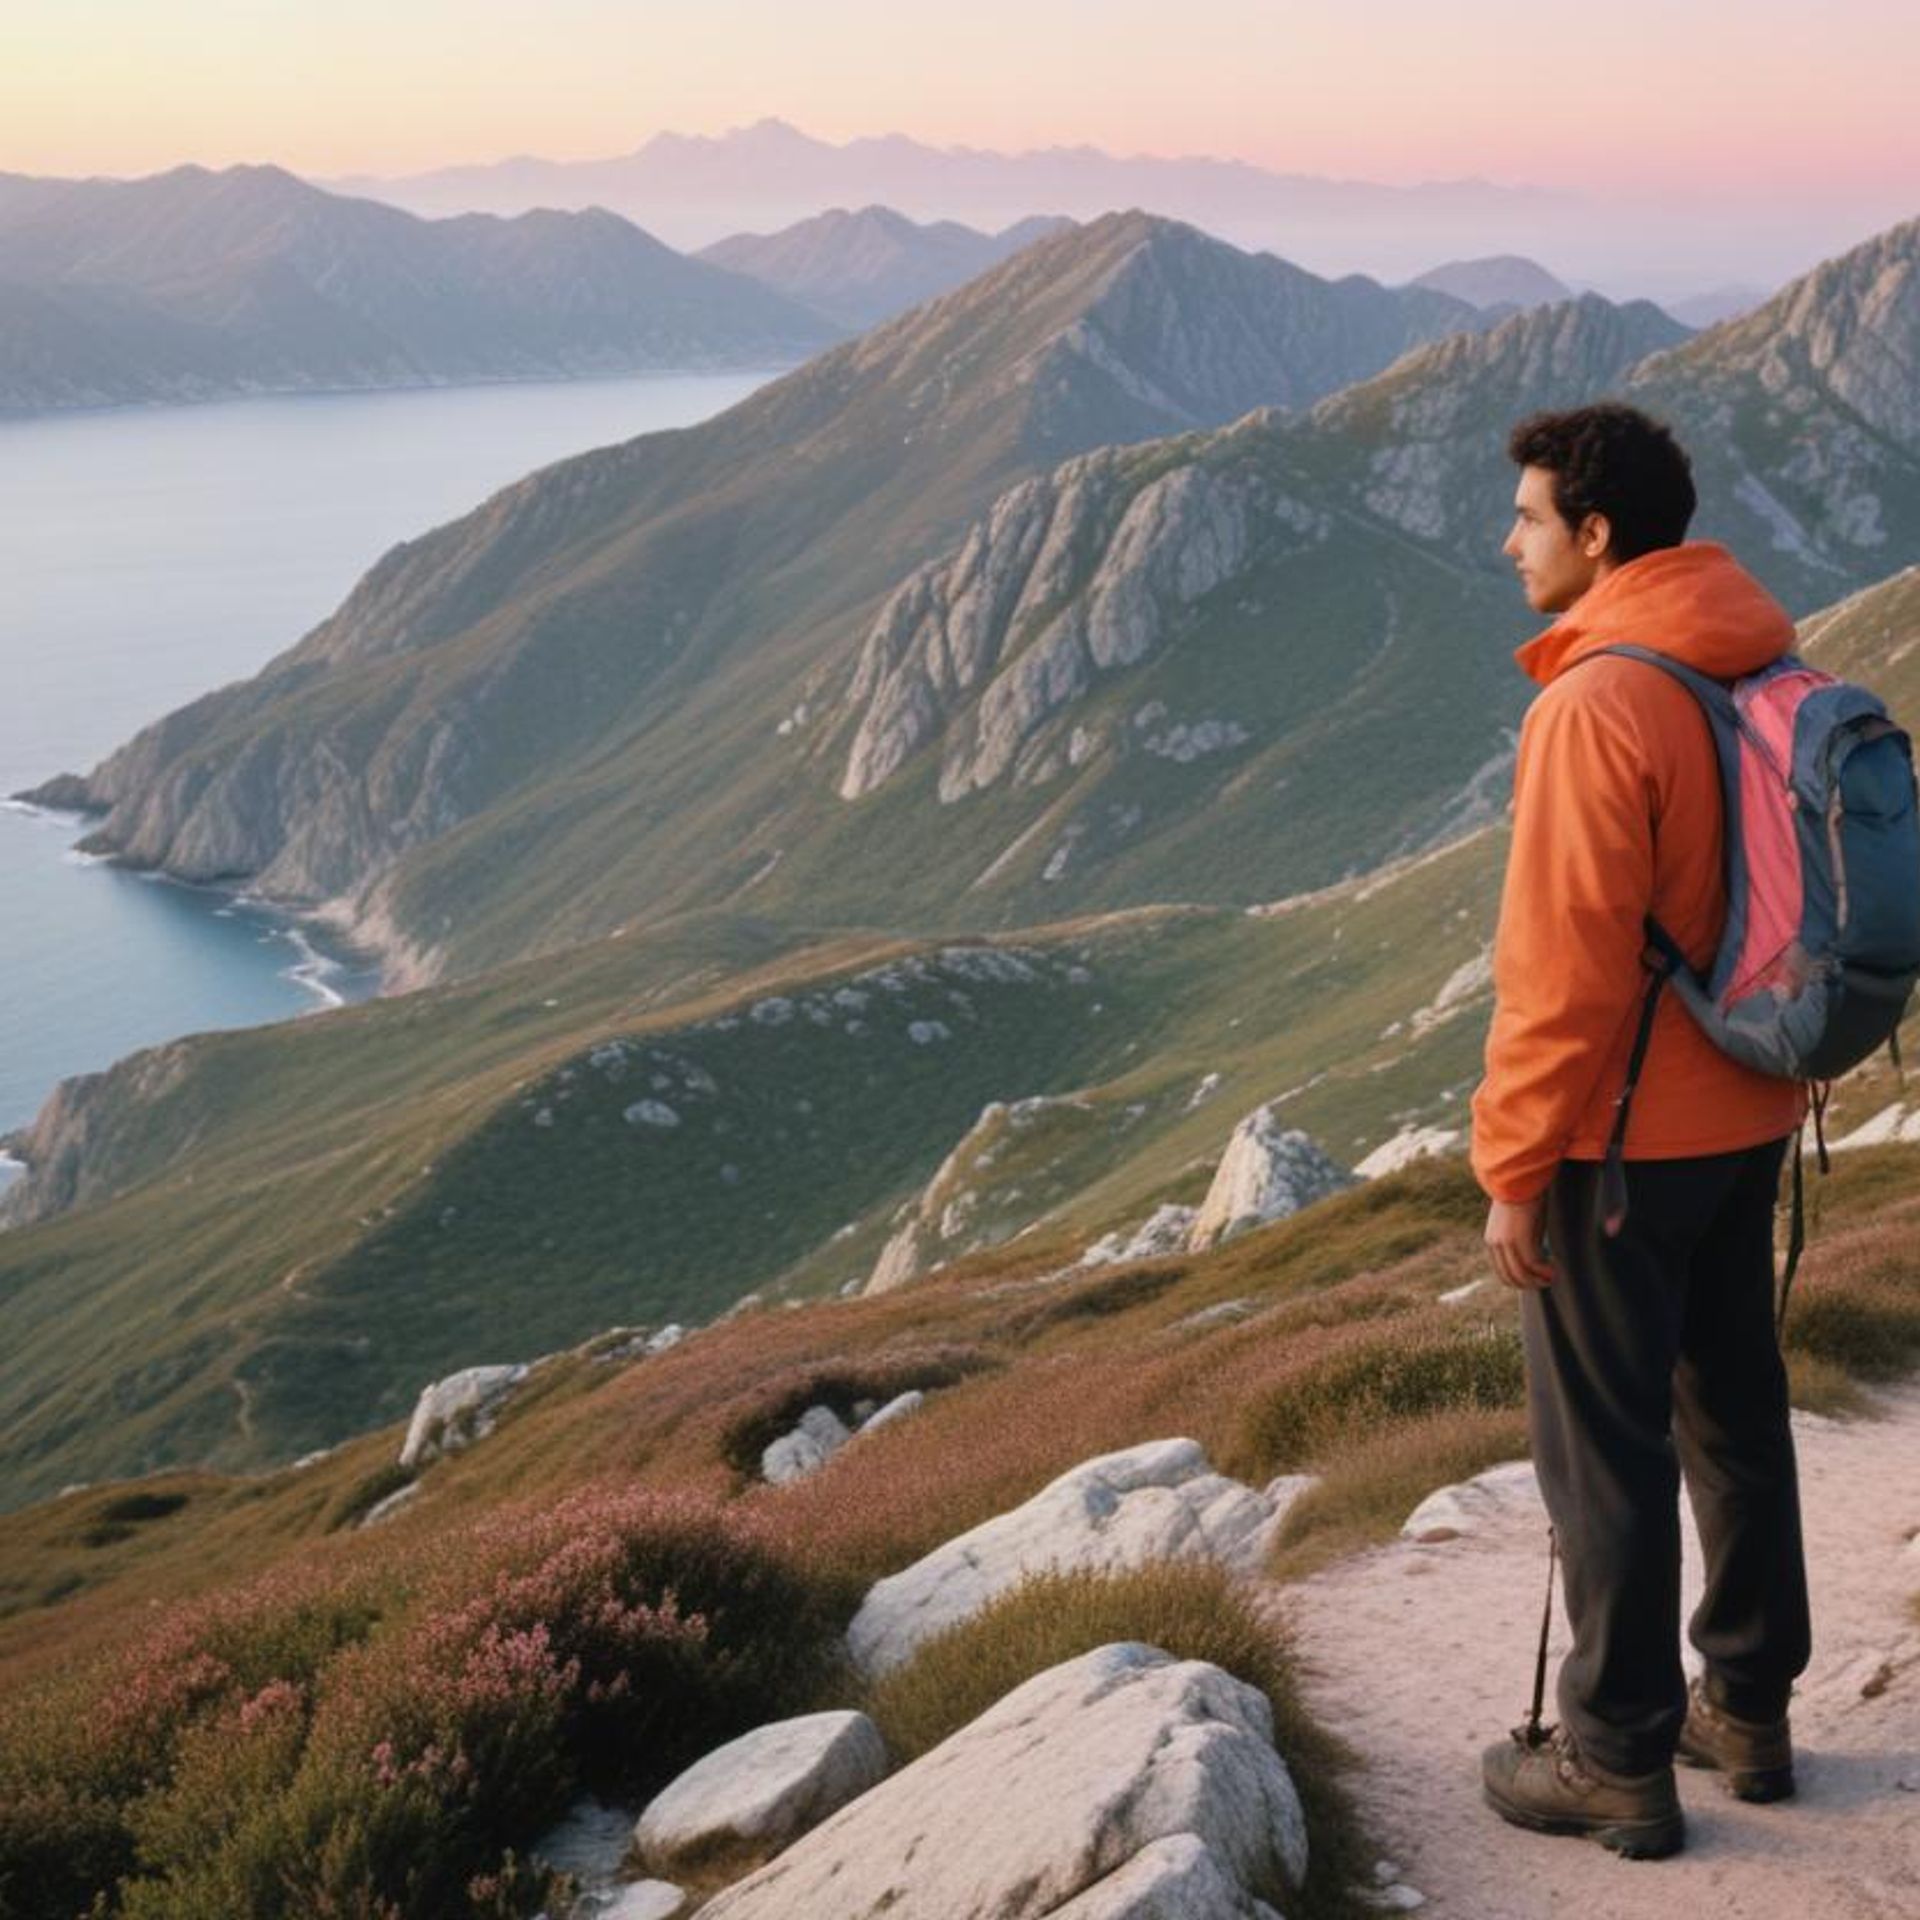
{"points": [[1381, 1376], [322, 1746]]}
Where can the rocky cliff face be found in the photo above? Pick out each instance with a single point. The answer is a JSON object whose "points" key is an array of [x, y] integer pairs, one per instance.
{"points": [[1804, 419], [84, 1129], [1071, 577], [1424, 446]]}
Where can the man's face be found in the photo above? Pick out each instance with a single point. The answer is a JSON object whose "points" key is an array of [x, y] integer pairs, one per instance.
{"points": [[1556, 563]]}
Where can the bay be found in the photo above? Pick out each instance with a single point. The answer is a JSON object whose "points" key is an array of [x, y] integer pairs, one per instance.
{"points": [[148, 555]]}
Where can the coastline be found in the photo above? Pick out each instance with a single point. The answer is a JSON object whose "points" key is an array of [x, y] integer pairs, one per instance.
{"points": [[323, 947]]}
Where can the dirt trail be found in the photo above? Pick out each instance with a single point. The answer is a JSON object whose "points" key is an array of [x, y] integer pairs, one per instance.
{"points": [[1422, 1653]]}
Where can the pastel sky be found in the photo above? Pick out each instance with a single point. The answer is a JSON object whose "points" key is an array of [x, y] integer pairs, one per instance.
{"points": [[1750, 100]]}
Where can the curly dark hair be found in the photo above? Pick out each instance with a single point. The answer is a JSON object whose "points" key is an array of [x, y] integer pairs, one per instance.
{"points": [[1612, 459]]}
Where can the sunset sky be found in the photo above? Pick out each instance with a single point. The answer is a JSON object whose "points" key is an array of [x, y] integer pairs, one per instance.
{"points": [[1763, 100]]}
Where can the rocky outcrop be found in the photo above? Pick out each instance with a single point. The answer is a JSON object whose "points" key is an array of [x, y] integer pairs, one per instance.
{"points": [[1070, 578], [1267, 1172], [88, 1132], [454, 1412], [958, 1210], [1165, 1230], [1115, 1786], [1158, 1500], [753, 1796]]}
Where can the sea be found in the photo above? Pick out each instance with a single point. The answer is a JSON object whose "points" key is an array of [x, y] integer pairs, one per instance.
{"points": [[150, 554]]}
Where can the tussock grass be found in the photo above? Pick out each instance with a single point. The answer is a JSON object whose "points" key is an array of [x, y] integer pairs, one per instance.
{"points": [[1192, 1610], [1860, 1310], [1380, 1376], [1376, 1480]]}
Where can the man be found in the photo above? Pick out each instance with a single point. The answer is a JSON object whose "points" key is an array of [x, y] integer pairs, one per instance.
{"points": [[1653, 1349]]}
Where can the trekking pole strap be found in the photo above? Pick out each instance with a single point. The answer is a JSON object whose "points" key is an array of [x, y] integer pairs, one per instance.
{"points": [[1659, 959], [1796, 1230]]}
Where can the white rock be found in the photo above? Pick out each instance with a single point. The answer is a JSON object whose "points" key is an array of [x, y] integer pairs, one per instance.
{"points": [[820, 1434], [644, 1900], [1408, 1145], [763, 1790], [1470, 1505], [1890, 1125], [452, 1412], [901, 1403], [1267, 1172], [1051, 1793], [387, 1508], [1159, 1500], [1220, 1312], [651, 1113], [1164, 1231]]}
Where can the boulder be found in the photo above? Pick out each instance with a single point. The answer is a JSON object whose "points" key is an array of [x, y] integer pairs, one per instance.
{"points": [[1470, 1505], [820, 1434], [1123, 1782], [1159, 1500], [1267, 1172], [757, 1793], [456, 1411]]}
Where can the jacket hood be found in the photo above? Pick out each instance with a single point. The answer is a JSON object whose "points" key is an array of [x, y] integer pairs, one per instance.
{"points": [[1695, 603]]}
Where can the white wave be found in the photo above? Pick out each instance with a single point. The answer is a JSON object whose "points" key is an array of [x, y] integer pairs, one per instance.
{"points": [[313, 968]]}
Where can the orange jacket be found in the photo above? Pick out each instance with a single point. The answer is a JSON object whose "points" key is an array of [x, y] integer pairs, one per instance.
{"points": [[1617, 812]]}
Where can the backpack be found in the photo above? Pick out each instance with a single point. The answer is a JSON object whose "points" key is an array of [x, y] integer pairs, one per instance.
{"points": [[1820, 951]]}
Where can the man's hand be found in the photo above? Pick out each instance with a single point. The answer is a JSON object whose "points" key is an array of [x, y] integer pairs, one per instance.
{"points": [[1516, 1242]]}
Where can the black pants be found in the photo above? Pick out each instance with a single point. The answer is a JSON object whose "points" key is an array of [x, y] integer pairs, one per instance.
{"points": [[1652, 1353]]}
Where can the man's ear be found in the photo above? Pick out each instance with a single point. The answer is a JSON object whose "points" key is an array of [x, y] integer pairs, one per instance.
{"points": [[1595, 536]]}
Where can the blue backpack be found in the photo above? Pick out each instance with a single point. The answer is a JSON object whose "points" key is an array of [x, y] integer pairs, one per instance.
{"points": [[1820, 952]]}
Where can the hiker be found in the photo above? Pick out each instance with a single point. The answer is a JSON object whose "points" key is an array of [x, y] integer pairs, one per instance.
{"points": [[1649, 1335]]}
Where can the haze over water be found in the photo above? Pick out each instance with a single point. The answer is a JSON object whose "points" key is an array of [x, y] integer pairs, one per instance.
{"points": [[147, 556]]}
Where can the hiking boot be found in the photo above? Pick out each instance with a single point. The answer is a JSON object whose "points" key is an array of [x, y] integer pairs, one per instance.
{"points": [[1554, 1788], [1755, 1756]]}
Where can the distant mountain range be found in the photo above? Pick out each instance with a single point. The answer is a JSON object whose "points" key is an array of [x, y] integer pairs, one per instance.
{"points": [[191, 284], [693, 189], [861, 267]]}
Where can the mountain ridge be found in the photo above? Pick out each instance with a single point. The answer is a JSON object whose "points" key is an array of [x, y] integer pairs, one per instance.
{"points": [[197, 283]]}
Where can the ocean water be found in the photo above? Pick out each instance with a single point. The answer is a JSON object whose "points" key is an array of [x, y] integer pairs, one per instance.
{"points": [[147, 555]]}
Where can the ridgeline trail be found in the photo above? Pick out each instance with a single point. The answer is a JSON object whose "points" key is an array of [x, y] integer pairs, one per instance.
{"points": [[1419, 1654]]}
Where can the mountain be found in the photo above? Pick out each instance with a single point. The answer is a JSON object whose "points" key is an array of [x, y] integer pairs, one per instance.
{"points": [[584, 682], [1803, 418], [861, 268], [694, 189], [192, 283], [1504, 280]]}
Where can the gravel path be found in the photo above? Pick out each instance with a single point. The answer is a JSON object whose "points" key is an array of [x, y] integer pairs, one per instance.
{"points": [[1421, 1653]]}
